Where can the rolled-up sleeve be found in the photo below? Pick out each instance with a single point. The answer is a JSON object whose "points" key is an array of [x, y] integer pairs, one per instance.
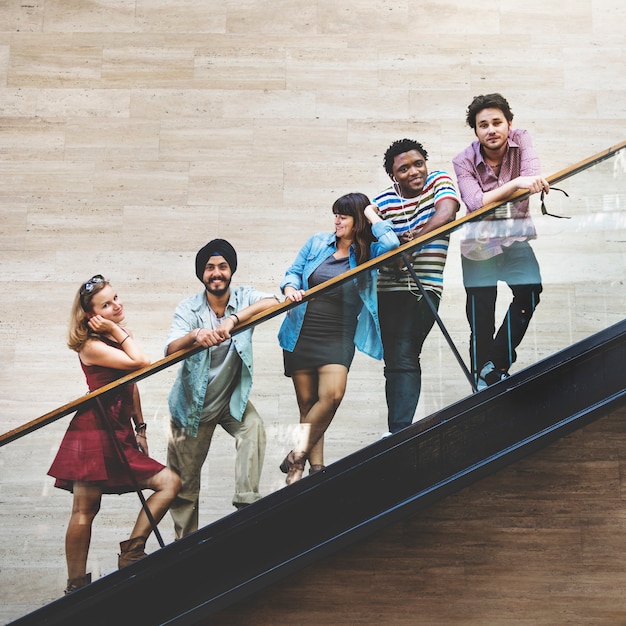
{"points": [[467, 180], [294, 276], [386, 239]]}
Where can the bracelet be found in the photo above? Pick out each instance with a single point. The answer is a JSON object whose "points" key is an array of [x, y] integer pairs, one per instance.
{"points": [[140, 427], [236, 317], [123, 340], [195, 337]]}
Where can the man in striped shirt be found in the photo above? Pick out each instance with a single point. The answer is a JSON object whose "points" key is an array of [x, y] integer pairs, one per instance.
{"points": [[416, 203], [501, 162]]}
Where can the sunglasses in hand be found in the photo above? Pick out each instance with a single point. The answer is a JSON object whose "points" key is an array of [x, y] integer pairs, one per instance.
{"points": [[544, 211]]}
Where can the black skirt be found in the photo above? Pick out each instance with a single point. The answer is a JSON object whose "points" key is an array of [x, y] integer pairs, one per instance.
{"points": [[323, 346], [327, 333]]}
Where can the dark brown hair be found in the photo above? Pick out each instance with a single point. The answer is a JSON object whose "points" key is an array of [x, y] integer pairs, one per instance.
{"points": [[353, 204], [489, 101]]}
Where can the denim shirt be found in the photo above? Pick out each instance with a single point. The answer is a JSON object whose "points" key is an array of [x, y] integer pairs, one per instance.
{"points": [[314, 252], [186, 398]]}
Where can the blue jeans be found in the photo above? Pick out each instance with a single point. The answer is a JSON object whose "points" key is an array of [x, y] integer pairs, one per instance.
{"points": [[517, 266], [405, 321]]}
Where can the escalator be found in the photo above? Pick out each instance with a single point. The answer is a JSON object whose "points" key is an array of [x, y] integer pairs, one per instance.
{"points": [[221, 564], [581, 379]]}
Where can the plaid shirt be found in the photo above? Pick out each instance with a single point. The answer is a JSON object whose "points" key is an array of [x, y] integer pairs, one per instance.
{"points": [[484, 239]]}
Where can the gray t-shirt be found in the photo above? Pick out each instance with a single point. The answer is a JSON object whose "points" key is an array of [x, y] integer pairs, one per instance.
{"points": [[223, 375]]}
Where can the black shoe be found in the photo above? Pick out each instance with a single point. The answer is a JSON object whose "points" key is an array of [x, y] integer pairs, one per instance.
{"points": [[284, 466], [489, 375]]}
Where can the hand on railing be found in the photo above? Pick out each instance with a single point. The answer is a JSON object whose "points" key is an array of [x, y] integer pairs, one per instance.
{"points": [[209, 337], [293, 295]]}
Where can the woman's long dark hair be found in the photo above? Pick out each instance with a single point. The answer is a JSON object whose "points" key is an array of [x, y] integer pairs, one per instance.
{"points": [[353, 204]]}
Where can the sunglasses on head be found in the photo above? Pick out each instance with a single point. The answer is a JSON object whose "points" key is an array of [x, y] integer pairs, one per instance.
{"points": [[544, 211], [91, 283]]}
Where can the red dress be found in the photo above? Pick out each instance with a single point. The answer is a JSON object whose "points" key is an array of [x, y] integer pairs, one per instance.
{"points": [[87, 453]]}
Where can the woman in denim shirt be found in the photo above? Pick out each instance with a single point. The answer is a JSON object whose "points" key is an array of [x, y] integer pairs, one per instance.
{"points": [[319, 336]]}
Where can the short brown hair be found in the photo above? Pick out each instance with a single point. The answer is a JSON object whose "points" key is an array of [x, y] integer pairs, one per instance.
{"points": [[488, 101]]}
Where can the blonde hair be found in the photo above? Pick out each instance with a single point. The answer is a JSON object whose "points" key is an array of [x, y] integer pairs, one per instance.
{"points": [[79, 332]]}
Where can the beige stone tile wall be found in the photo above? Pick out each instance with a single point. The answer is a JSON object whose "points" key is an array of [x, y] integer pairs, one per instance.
{"points": [[133, 131]]}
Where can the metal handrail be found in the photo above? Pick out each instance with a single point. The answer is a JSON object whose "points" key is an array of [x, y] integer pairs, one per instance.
{"points": [[281, 308]]}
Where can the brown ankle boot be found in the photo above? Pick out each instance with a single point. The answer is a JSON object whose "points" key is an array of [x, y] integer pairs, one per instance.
{"points": [[132, 550], [76, 583]]}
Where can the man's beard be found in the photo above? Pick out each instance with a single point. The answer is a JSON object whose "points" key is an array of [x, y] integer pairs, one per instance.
{"points": [[218, 292]]}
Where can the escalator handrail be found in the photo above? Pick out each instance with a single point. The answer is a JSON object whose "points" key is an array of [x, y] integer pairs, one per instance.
{"points": [[283, 307]]}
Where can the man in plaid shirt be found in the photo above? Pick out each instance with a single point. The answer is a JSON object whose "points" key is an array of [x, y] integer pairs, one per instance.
{"points": [[499, 163]]}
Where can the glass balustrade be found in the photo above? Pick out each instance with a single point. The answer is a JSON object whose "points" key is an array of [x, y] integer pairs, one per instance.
{"points": [[583, 268]]}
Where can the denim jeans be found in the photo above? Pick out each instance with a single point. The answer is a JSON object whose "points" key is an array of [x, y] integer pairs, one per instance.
{"points": [[405, 321], [518, 267]]}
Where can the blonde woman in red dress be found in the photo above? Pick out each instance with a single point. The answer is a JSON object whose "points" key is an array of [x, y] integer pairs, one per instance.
{"points": [[88, 462]]}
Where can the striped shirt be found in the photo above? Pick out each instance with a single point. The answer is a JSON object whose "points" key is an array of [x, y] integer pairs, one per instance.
{"points": [[410, 213]]}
